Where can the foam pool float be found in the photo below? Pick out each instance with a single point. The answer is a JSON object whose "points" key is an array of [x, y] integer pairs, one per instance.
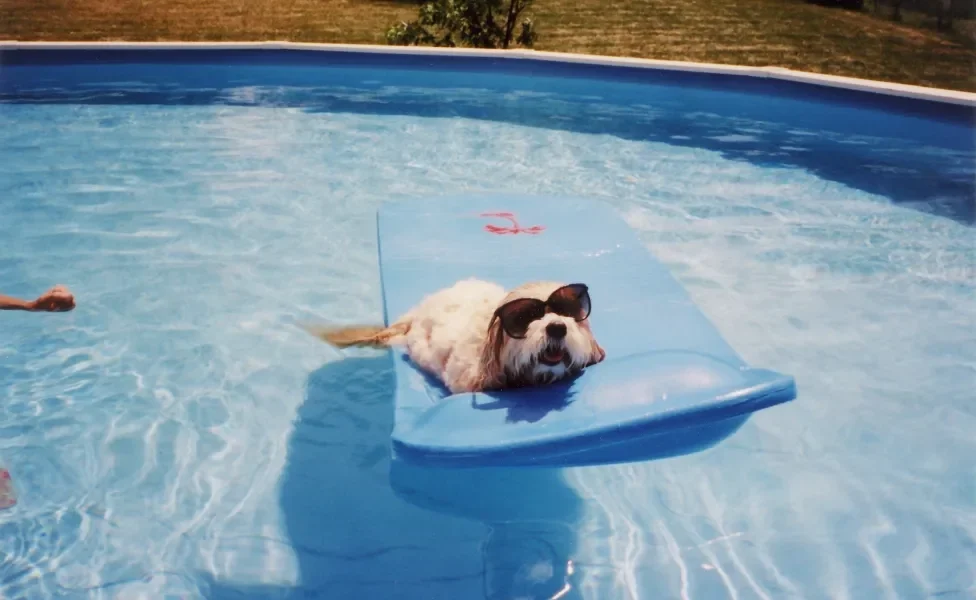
{"points": [[670, 384]]}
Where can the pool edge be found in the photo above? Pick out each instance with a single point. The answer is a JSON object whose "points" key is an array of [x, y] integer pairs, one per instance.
{"points": [[931, 94]]}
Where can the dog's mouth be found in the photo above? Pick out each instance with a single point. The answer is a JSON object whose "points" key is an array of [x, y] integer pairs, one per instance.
{"points": [[553, 355]]}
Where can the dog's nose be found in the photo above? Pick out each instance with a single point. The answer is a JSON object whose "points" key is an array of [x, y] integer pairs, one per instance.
{"points": [[556, 330]]}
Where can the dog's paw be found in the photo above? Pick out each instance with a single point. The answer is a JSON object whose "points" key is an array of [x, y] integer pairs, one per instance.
{"points": [[599, 356]]}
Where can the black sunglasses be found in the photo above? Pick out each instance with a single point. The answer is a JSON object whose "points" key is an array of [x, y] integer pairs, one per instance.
{"points": [[571, 300]]}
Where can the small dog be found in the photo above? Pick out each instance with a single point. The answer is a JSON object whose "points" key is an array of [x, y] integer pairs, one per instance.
{"points": [[475, 336]]}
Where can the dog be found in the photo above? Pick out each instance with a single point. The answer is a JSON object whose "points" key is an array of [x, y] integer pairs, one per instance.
{"points": [[474, 336]]}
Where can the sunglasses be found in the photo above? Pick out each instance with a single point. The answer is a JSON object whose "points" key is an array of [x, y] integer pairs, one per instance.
{"points": [[568, 301]]}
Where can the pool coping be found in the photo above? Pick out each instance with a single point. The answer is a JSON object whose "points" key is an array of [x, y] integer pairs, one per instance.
{"points": [[767, 72]]}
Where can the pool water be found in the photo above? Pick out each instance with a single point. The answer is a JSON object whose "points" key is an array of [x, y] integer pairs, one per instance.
{"points": [[180, 436]]}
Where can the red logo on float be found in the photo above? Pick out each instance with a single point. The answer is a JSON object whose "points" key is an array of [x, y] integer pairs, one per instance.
{"points": [[512, 229]]}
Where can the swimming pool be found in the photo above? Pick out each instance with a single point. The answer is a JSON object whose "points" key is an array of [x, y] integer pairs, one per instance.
{"points": [[179, 436]]}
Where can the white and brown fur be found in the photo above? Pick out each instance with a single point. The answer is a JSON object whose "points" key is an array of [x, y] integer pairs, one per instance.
{"points": [[451, 334]]}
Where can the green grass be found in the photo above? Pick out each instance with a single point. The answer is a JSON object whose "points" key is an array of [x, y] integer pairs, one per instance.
{"points": [[787, 33]]}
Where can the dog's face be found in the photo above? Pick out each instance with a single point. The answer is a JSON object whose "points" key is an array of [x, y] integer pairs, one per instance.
{"points": [[539, 334]]}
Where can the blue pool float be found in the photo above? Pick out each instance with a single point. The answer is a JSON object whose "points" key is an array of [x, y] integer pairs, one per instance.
{"points": [[670, 384]]}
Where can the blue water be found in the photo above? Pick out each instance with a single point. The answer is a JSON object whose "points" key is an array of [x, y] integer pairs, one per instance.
{"points": [[179, 436]]}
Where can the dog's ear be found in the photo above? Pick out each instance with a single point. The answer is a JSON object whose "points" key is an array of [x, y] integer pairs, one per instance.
{"points": [[492, 373]]}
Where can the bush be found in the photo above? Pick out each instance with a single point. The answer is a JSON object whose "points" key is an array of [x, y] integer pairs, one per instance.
{"points": [[476, 23]]}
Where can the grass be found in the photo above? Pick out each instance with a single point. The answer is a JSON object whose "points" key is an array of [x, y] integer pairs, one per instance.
{"points": [[787, 33]]}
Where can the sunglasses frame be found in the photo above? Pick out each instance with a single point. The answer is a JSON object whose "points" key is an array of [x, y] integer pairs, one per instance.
{"points": [[584, 291]]}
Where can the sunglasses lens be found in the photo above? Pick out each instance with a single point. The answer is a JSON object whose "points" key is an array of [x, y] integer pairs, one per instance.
{"points": [[518, 315], [571, 301]]}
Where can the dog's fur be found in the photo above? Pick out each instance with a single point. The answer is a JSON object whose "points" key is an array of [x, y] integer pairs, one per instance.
{"points": [[448, 335]]}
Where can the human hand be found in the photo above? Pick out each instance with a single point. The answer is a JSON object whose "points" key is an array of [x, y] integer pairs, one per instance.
{"points": [[56, 299]]}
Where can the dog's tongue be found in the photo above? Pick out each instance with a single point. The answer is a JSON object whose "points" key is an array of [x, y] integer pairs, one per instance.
{"points": [[552, 355]]}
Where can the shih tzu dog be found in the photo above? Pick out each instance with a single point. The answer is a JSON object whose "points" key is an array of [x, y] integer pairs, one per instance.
{"points": [[475, 336]]}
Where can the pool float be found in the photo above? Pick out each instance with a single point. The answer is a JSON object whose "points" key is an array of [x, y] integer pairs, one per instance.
{"points": [[670, 384]]}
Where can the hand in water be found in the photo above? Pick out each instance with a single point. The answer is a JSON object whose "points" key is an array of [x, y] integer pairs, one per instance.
{"points": [[56, 299]]}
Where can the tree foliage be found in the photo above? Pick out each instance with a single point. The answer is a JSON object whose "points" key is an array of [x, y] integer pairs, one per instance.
{"points": [[475, 23]]}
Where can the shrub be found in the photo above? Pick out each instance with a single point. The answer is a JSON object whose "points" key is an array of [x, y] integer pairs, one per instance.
{"points": [[476, 23]]}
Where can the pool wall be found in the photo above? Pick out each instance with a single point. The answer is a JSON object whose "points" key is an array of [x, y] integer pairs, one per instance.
{"points": [[931, 102]]}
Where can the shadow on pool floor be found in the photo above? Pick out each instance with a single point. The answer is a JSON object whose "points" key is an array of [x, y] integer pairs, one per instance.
{"points": [[361, 529]]}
